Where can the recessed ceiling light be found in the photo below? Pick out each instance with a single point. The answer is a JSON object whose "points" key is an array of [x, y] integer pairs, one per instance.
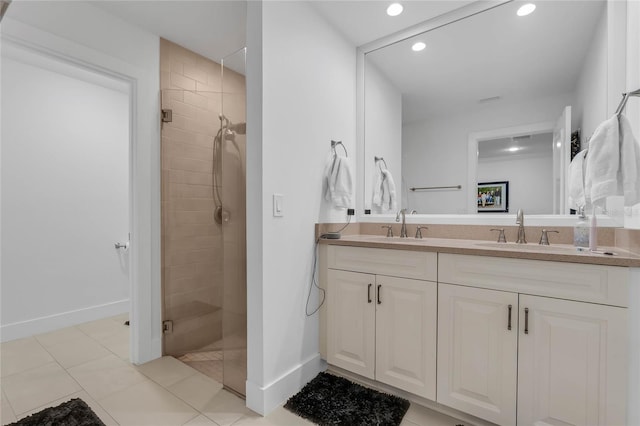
{"points": [[418, 46], [394, 9], [526, 9]]}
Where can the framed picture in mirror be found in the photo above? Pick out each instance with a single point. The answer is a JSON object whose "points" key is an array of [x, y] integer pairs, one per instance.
{"points": [[493, 197]]}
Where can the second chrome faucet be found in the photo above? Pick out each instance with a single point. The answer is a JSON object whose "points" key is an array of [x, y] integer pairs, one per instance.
{"points": [[403, 228], [520, 222]]}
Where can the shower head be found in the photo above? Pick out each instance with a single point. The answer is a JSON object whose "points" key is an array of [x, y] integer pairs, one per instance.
{"points": [[4, 5], [239, 128]]}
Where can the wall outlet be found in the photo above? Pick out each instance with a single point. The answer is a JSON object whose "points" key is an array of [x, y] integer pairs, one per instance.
{"points": [[351, 212]]}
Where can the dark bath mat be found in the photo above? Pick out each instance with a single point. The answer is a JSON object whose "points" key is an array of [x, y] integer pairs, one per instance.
{"points": [[331, 400], [75, 412]]}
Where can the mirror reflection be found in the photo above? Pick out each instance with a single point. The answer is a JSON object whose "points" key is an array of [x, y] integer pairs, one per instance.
{"points": [[492, 97]]}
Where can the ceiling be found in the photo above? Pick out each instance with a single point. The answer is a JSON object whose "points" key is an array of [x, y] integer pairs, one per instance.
{"points": [[540, 145], [212, 28], [217, 28], [492, 54]]}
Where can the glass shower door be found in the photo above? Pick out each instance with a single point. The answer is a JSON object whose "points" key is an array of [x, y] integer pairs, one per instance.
{"points": [[234, 324]]}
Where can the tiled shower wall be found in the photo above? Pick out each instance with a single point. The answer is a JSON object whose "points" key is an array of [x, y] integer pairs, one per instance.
{"points": [[192, 245]]}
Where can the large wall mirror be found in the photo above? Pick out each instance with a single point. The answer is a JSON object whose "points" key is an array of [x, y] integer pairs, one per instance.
{"points": [[491, 97]]}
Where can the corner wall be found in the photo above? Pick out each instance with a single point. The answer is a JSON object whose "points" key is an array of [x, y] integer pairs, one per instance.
{"points": [[307, 96]]}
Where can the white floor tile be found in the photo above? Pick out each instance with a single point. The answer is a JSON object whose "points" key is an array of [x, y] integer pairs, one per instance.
{"points": [[6, 412], [21, 355], [226, 408], [166, 371], [63, 335], [36, 387], [197, 390], [147, 404], [106, 376], [78, 351], [424, 416], [118, 343], [201, 421], [100, 329]]}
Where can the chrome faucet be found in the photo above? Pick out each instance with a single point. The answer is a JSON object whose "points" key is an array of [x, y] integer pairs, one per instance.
{"points": [[520, 221], [403, 229]]}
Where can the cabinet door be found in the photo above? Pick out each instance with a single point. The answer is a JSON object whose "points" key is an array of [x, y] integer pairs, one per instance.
{"points": [[477, 352], [571, 363], [351, 321], [406, 334]]}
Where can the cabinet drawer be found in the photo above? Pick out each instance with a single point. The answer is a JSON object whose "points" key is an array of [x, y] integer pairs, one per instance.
{"points": [[396, 263], [588, 283]]}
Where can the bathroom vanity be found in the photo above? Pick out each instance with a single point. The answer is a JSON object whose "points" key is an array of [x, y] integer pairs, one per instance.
{"points": [[510, 335]]}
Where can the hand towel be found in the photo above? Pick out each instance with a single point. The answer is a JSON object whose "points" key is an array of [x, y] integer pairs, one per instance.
{"points": [[327, 173], [576, 181], [342, 183], [389, 200], [603, 161], [629, 163], [377, 187]]}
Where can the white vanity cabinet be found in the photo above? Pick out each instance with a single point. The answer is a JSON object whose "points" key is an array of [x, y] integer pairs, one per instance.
{"points": [[478, 352], [565, 356], [381, 315]]}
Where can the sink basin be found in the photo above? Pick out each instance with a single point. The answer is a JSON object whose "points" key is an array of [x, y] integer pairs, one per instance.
{"points": [[529, 247]]}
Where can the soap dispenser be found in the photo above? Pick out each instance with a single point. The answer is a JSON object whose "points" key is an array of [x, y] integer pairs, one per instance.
{"points": [[581, 230]]}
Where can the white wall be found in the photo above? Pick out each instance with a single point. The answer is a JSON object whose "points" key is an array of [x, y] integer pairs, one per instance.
{"points": [[306, 91], [434, 153], [530, 180], [383, 130], [65, 193], [590, 106], [80, 32]]}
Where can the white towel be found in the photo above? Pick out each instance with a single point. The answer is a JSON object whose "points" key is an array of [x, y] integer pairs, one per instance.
{"points": [[603, 161], [377, 187], [338, 181], [629, 163], [389, 191], [576, 181]]}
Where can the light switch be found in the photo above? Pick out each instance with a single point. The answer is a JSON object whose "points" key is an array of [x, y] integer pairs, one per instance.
{"points": [[278, 205]]}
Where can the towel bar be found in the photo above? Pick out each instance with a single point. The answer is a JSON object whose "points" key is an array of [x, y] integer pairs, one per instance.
{"points": [[427, 188]]}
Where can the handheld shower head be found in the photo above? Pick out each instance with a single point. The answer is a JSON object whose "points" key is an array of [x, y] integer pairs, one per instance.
{"points": [[239, 128]]}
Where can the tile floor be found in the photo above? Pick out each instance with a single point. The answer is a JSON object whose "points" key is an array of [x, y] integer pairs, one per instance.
{"points": [[90, 361]]}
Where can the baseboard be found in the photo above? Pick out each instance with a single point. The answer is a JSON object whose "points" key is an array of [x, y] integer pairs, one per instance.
{"points": [[19, 330], [264, 399]]}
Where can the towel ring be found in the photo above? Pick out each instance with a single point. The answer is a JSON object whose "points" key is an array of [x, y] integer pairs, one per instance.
{"points": [[625, 98], [333, 147], [378, 160]]}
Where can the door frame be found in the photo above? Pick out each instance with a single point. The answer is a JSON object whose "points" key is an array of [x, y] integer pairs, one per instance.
{"points": [[504, 132], [144, 174]]}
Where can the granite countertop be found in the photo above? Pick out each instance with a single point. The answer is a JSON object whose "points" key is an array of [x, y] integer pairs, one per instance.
{"points": [[554, 252]]}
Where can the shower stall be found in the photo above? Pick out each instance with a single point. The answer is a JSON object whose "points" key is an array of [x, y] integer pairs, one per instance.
{"points": [[204, 213]]}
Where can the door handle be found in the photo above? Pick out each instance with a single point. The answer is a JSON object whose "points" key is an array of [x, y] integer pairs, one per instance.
{"points": [[369, 293], [509, 320], [379, 286], [123, 246], [526, 320]]}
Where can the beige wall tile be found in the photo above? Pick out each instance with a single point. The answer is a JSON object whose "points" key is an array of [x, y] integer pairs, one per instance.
{"points": [[182, 82]]}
